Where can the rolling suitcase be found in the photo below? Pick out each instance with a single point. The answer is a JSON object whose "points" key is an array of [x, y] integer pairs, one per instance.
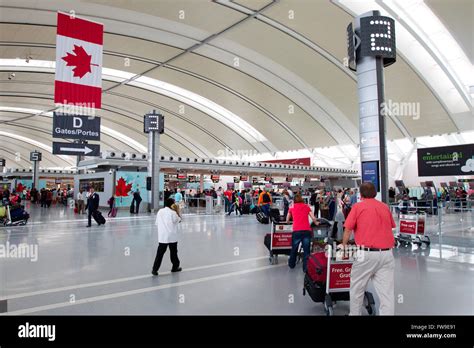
{"points": [[275, 215], [262, 218], [246, 209], [315, 277], [254, 209], [98, 217], [113, 212]]}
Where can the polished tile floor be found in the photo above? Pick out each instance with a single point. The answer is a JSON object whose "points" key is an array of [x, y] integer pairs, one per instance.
{"points": [[106, 270]]}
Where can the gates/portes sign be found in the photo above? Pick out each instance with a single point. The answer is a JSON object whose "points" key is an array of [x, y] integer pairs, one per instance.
{"points": [[2, 162], [35, 156], [340, 276], [76, 127], [74, 149]]}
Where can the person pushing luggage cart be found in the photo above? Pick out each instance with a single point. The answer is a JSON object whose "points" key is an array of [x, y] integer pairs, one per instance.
{"points": [[302, 231], [372, 223]]}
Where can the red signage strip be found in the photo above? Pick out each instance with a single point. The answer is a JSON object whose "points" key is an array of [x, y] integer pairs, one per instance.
{"points": [[294, 161]]}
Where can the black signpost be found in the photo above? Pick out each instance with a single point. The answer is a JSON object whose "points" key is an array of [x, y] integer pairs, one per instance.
{"points": [[35, 157], [76, 127], [76, 149]]}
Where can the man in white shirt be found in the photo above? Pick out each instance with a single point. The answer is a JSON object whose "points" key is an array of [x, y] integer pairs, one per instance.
{"points": [[80, 202], [167, 224]]}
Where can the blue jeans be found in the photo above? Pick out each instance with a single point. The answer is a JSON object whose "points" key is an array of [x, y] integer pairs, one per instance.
{"points": [[298, 237], [266, 209]]}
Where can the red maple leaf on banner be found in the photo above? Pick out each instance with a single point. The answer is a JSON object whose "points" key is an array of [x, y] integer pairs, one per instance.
{"points": [[81, 60], [122, 189]]}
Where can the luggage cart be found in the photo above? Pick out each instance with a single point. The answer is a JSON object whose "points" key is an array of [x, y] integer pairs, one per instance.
{"points": [[279, 240], [8, 221], [338, 284], [411, 230], [321, 231]]}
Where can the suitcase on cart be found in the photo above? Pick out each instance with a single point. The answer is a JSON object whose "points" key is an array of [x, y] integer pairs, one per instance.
{"points": [[98, 217], [275, 215]]}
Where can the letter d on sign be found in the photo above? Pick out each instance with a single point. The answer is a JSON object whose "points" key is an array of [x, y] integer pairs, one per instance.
{"points": [[77, 122]]}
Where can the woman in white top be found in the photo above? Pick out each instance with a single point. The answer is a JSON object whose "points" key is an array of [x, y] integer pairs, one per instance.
{"points": [[167, 224]]}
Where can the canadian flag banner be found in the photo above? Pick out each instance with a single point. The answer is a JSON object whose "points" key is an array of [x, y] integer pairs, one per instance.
{"points": [[79, 44]]}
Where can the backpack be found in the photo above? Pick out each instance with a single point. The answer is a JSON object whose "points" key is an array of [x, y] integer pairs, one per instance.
{"points": [[266, 198]]}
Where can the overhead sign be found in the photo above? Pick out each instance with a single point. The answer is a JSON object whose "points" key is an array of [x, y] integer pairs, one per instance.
{"points": [[79, 45], [154, 123], [236, 179], [35, 156], [76, 149], [446, 160], [2, 162], [377, 37], [76, 127]]}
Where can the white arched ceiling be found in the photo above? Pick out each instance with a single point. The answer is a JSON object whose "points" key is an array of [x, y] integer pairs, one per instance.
{"points": [[36, 144], [282, 62]]}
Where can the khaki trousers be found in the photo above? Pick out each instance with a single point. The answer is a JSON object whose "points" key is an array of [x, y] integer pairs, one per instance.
{"points": [[377, 266]]}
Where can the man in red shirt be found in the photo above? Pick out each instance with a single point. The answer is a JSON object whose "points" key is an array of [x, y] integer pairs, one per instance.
{"points": [[227, 199], [372, 223]]}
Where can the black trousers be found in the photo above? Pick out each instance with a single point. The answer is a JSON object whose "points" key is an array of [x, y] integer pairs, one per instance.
{"points": [[161, 252], [316, 210], [137, 206], [89, 216]]}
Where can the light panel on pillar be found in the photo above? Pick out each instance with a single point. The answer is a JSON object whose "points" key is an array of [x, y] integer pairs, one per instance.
{"points": [[154, 122]]}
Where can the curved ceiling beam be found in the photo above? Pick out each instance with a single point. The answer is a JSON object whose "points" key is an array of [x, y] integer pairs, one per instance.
{"points": [[307, 42], [15, 147], [162, 30], [105, 130], [215, 83], [194, 147], [221, 114], [68, 159], [42, 130], [417, 48], [11, 156]]}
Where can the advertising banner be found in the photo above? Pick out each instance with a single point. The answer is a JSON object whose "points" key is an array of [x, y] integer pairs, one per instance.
{"points": [[282, 237], [127, 183], [340, 276], [446, 160], [370, 173], [408, 224]]}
